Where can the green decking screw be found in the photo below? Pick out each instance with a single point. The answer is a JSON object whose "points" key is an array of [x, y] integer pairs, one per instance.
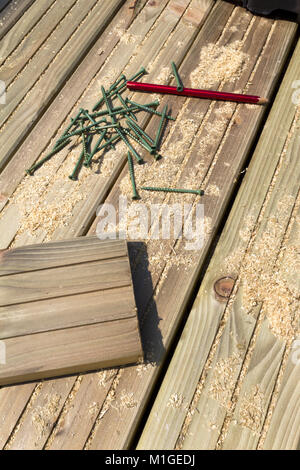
{"points": [[149, 110], [116, 83], [108, 106], [87, 163], [138, 140], [126, 107], [132, 150], [74, 175], [109, 142], [84, 129], [56, 149], [160, 127], [89, 117], [177, 78], [199, 192], [141, 131], [131, 172]]}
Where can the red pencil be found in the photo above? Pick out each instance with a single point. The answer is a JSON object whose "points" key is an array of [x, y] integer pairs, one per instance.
{"points": [[210, 95]]}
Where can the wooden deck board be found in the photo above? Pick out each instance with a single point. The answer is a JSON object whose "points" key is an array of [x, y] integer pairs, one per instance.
{"points": [[32, 41], [118, 406], [11, 13], [240, 368], [29, 19]]}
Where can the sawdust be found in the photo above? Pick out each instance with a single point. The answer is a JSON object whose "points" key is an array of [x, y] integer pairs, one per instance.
{"points": [[265, 280], [251, 411], [44, 416], [129, 38], [225, 63], [46, 201], [223, 380], [176, 401], [105, 376]]}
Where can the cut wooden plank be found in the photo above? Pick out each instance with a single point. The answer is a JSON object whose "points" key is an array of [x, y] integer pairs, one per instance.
{"points": [[57, 73], [122, 432], [55, 254], [71, 350], [189, 377], [11, 14], [81, 326], [29, 19], [33, 40], [60, 282], [88, 308]]}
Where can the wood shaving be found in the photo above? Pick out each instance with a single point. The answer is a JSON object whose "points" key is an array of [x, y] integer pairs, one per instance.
{"points": [[223, 380], [43, 416], [224, 63], [176, 401], [252, 409]]}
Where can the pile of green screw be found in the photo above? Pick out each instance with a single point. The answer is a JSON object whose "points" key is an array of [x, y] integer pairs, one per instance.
{"points": [[87, 124]]}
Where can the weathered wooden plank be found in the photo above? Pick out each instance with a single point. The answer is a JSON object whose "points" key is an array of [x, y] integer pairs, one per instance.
{"points": [[11, 14], [58, 71], [32, 41], [84, 405], [51, 283], [29, 19], [63, 438], [71, 350], [47, 408], [202, 429], [3, 4], [61, 253], [42, 59], [88, 308], [257, 387], [283, 432]]}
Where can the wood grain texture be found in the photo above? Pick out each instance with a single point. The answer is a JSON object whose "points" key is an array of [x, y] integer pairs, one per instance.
{"points": [[193, 373], [283, 432], [33, 40], [57, 70], [29, 19], [71, 350], [82, 326], [11, 14]]}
